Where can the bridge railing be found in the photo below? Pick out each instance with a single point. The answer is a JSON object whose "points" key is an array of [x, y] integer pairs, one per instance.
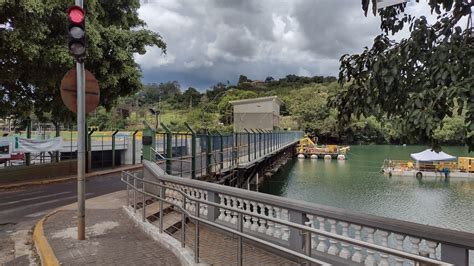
{"points": [[324, 233], [192, 155]]}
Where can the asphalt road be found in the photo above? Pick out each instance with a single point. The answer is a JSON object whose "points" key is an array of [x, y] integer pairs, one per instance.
{"points": [[21, 208]]}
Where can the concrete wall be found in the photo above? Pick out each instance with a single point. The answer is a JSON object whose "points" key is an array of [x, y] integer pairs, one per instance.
{"points": [[259, 113], [23, 173], [263, 121]]}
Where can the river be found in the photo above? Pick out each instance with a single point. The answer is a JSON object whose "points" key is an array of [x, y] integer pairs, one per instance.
{"points": [[357, 184]]}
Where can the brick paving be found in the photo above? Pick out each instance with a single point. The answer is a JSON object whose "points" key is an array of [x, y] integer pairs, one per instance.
{"points": [[112, 238], [217, 248]]}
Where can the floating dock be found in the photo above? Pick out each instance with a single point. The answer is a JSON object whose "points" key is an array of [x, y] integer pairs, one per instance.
{"points": [[307, 148]]}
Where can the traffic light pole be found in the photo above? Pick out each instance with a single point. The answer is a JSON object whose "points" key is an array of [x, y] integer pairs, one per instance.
{"points": [[81, 155]]}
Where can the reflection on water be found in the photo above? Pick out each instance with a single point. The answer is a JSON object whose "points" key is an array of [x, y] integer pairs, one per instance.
{"points": [[358, 185]]}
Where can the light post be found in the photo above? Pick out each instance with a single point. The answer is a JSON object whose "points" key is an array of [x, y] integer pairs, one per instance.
{"points": [[156, 113]]}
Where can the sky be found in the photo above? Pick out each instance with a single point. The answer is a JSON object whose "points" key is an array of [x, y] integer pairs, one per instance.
{"points": [[211, 41]]}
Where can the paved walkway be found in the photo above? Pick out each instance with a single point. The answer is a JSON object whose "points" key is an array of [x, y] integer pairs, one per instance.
{"points": [[218, 248], [111, 236]]}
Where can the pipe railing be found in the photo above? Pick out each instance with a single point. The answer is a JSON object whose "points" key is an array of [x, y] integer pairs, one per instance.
{"points": [[421, 240], [306, 231]]}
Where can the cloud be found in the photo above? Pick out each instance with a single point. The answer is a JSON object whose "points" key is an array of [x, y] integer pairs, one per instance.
{"points": [[212, 41]]}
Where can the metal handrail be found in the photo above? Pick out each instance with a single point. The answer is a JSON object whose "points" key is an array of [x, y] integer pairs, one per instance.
{"points": [[441, 235], [310, 230]]}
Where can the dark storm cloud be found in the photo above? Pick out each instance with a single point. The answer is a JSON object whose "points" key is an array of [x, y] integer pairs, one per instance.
{"points": [[212, 41], [333, 28]]}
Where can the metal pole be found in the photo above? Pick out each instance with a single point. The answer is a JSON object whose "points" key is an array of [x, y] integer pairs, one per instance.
{"points": [[81, 159], [183, 224], [196, 237], [239, 245], [143, 202], [162, 197]]}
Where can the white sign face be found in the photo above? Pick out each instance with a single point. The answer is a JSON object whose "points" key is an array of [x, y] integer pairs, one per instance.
{"points": [[32, 145], [386, 3], [4, 149]]}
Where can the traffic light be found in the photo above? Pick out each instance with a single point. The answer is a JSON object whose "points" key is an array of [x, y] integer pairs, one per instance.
{"points": [[77, 32]]}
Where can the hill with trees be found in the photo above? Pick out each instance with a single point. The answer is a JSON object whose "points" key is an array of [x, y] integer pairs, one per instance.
{"points": [[305, 108]]}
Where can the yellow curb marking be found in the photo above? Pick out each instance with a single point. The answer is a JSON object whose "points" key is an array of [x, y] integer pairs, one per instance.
{"points": [[42, 246]]}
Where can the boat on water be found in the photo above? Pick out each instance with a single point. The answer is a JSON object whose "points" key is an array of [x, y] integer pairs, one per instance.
{"points": [[307, 148], [429, 163]]}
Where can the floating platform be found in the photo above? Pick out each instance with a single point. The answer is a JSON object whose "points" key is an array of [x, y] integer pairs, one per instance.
{"points": [[308, 149]]}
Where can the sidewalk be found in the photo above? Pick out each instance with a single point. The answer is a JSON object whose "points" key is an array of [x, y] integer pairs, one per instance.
{"points": [[115, 236], [111, 236]]}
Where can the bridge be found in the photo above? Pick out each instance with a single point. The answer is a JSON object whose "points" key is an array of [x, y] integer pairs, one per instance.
{"points": [[235, 159]]}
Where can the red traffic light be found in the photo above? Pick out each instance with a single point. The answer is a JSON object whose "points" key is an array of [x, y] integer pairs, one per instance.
{"points": [[76, 14]]}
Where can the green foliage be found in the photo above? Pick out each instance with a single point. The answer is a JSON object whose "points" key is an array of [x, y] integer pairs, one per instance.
{"points": [[34, 53], [418, 81], [106, 120]]}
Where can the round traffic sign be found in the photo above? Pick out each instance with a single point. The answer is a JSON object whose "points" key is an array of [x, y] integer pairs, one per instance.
{"points": [[69, 91]]}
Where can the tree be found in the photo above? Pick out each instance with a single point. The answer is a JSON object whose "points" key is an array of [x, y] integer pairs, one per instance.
{"points": [[243, 78], [34, 54], [192, 96], [269, 79], [418, 80]]}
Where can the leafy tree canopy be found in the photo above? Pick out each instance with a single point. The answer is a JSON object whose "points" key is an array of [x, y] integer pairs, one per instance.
{"points": [[34, 54], [420, 80]]}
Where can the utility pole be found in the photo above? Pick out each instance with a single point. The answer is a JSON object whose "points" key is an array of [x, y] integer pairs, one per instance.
{"points": [[77, 48], [81, 155]]}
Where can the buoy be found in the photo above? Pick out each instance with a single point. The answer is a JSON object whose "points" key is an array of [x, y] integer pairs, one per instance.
{"points": [[327, 157], [314, 156], [300, 156], [341, 157]]}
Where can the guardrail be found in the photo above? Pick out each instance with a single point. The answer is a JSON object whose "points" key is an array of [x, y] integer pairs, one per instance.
{"points": [[312, 231]]}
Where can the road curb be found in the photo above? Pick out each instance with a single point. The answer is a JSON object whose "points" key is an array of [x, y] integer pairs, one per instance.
{"points": [[58, 180], [42, 246]]}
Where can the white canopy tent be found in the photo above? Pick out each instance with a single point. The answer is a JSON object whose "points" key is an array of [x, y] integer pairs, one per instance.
{"points": [[429, 155]]}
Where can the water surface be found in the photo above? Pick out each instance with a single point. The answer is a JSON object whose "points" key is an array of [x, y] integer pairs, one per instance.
{"points": [[357, 184]]}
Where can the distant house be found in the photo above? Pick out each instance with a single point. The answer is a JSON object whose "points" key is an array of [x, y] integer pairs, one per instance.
{"points": [[258, 113]]}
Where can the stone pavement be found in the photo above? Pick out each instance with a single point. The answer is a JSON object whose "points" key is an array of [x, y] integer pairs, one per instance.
{"points": [[218, 248], [112, 238]]}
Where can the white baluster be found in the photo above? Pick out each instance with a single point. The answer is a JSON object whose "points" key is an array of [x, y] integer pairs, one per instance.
{"points": [[277, 232], [432, 248], [322, 245], [221, 210], [228, 215], [285, 230], [415, 242], [345, 253], [399, 245], [262, 228], [384, 256], [370, 259], [271, 225], [254, 220], [233, 204], [357, 256], [333, 250], [310, 223], [246, 216], [205, 206]]}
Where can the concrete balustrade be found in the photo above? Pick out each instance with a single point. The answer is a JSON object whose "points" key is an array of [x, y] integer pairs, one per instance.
{"points": [[335, 235]]}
